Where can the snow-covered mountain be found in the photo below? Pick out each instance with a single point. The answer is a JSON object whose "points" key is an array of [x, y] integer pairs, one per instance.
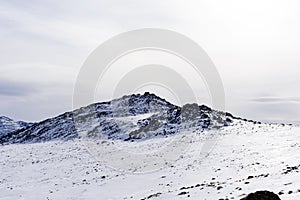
{"points": [[110, 150], [127, 118], [8, 125]]}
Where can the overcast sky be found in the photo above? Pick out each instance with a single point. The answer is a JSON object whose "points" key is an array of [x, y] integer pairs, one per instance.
{"points": [[255, 46]]}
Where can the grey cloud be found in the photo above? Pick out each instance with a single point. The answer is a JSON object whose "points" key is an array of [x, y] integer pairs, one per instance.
{"points": [[277, 99], [14, 88]]}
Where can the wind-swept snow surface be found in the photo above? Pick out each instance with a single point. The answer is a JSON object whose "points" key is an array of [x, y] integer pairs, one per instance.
{"points": [[245, 158]]}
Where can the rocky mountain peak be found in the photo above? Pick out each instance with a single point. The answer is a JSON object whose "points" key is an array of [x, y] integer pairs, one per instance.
{"points": [[130, 117]]}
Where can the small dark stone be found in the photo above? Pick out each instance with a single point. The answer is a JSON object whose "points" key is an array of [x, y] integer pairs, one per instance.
{"points": [[182, 193]]}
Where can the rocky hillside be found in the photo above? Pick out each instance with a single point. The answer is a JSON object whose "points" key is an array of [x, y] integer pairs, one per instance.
{"points": [[8, 125], [127, 118]]}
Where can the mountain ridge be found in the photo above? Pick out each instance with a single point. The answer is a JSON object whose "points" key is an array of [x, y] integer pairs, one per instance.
{"points": [[8, 125], [130, 117]]}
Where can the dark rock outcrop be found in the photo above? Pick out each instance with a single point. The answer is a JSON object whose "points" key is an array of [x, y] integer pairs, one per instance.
{"points": [[262, 195]]}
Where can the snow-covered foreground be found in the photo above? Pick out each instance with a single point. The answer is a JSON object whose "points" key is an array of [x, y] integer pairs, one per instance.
{"points": [[245, 158]]}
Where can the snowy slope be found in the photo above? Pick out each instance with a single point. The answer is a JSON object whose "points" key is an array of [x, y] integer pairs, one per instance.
{"points": [[8, 125], [143, 147], [247, 157]]}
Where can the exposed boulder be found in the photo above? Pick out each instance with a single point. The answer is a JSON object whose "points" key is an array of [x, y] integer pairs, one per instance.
{"points": [[262, 195]]}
